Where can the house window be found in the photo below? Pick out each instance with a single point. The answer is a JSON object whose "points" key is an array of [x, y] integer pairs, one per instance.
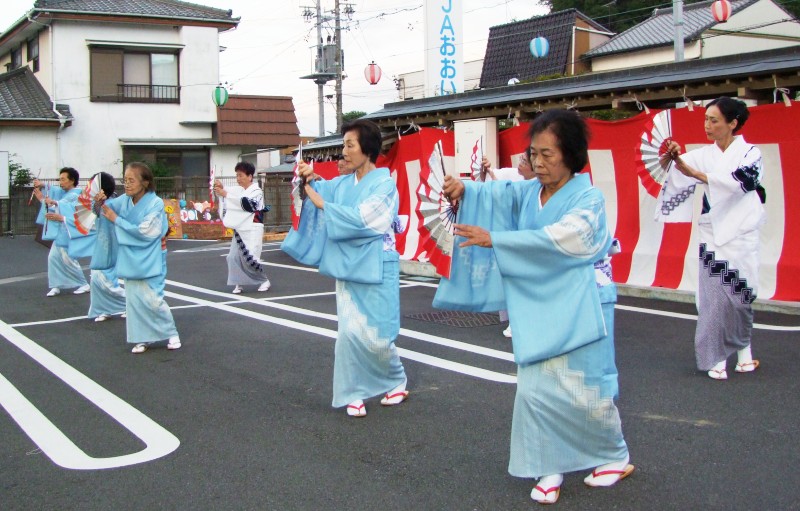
{"points": [[33, 53], [134, 76], [16, 58], [184, 169]]}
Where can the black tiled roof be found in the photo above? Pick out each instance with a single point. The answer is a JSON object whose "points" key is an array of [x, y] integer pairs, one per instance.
{"points": [[23, 97], [623, 81], [659, 29], [508, 49], [160, 8]]}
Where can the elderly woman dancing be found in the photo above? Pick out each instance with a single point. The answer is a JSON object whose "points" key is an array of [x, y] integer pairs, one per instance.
{"points": [[550, 241]]}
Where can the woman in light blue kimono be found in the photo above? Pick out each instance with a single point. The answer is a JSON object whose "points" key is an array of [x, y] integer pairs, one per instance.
{"points": [[346, 228], [132, 237], [107, 296], [549, 241], [63, 269]]}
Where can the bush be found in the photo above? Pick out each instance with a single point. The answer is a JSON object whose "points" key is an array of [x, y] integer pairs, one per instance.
{"points": [[19, 176]]}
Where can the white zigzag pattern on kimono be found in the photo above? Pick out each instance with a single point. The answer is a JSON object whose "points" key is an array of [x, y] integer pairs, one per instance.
{"points": [[588, 398], [355, 324], [478, 272]]}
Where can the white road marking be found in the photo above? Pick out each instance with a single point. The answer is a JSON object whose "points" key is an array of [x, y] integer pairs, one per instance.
{"points": [[61, 450], [693, 317], [331, 334], [413, 334]]}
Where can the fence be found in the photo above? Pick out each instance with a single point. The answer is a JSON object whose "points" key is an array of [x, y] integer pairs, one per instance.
{"points": [[22, 217]]}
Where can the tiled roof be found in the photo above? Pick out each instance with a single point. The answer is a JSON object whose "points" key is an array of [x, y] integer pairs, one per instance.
{"points": [[258, 121], [160, 8], [508, 49], [659, 29], [22, 97], [700, 74]]}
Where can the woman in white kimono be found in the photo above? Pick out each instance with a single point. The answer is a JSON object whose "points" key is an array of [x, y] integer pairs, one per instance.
{"points": [[243, 211], [134, 239], [728, 172], [550, 240], [347, 228], [63, 270]]}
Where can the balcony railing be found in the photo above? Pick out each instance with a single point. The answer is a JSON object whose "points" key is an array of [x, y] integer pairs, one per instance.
{"points": [[127, 93]]}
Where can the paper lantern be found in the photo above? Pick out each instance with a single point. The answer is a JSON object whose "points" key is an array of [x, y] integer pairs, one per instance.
{"points": [[539, 47], [372, 73], [721, 9], [220, 96]]}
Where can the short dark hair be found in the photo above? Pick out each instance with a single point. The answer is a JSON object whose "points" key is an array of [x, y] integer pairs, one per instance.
{"points": [[732, 109], [246, 167], [369, 137], [107, 183], [145, 174], [571, 132], [71, 173]]}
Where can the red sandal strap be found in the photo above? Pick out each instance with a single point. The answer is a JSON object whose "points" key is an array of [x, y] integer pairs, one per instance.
{"points": [[547, 491], [607, 473]]}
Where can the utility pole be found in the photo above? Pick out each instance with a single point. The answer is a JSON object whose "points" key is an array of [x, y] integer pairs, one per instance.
{"points": [[338, 39], [329, 64], [677, 18]]}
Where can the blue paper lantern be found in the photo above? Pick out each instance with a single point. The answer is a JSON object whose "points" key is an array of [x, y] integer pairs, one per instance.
{"points": [[539, 47]]}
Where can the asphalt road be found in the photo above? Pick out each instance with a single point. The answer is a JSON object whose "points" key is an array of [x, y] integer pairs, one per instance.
{"points": [[240, 417]]}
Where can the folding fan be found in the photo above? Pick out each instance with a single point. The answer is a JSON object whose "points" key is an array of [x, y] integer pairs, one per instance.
{"points": [[85, 211], [298, 193], [653, 162], [436, 213], [476, 161]]}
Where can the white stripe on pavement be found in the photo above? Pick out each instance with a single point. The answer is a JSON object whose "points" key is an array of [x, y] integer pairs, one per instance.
{"points": [[61, 450]]}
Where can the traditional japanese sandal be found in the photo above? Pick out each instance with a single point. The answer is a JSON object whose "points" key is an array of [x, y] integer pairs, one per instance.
{"points": [[394, 399], [356, 410], [747, 367], [546, 496], [139, 348], [608, 477], [717, 374]]}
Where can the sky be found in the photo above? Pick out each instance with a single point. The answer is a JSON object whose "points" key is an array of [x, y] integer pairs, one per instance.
{"points": [[273, 46]]}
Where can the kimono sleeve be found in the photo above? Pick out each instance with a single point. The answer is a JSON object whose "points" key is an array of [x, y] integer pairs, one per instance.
{"points": [[152, 227], [106, 246], [367, 220], [475, 282], [550, 283], [675, 202], [735, 204]]}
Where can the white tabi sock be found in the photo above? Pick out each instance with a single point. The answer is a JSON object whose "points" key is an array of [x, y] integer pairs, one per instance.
{"points": [[745, 355]]}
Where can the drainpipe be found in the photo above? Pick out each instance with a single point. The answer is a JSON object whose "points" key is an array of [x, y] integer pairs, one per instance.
{"points": [[62, 119], [572, 72]]}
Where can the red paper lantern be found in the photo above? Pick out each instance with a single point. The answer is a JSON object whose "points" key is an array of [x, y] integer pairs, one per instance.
{"points": [[372, 73], [721, 9]]}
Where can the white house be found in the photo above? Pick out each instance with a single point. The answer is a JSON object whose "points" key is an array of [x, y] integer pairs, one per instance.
{"points": [[124, 80], [754, 25]]}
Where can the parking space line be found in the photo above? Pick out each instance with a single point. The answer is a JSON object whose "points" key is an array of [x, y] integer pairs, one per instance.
{"points": [[61, 450], [331, 334], [413, 334]]}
